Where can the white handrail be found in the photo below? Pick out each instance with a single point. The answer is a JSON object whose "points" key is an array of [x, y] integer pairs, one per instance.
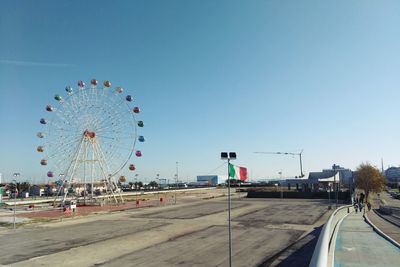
{"points": [[321, 251]]}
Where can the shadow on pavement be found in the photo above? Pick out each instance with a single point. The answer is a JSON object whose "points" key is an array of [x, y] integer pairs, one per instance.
{"points": [[298, 254]]}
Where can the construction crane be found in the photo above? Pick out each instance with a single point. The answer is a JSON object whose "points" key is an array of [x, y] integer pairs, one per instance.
{"points": [[288, 153]]}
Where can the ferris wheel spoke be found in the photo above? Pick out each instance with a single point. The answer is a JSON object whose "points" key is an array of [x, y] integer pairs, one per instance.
{"points": [[109, 122], [113, 132], [115, 135], [128, 137], [66, 146], [64, 140], [64, 152], [127, 148], [117, 126]]}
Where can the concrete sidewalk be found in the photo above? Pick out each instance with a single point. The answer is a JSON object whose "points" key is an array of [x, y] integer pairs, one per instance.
{"points": [[357, 244]]}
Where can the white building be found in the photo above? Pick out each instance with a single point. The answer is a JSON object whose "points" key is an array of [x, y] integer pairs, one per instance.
{"points": [[392, 174]]}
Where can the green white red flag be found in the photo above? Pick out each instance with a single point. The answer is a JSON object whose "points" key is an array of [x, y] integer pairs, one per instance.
{"points": [[237, 172]]}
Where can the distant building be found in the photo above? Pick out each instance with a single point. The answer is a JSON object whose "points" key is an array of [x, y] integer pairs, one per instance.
{"points": [[320, 180], [392, 174], [345, 175], [211, 180], [36, 190]]}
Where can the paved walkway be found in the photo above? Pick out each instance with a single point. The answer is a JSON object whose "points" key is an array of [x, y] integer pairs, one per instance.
{"points": [[357, 244], [388, 228]]}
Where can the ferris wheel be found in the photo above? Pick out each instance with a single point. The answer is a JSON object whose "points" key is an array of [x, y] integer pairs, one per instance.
{"points": [[90, 135]]}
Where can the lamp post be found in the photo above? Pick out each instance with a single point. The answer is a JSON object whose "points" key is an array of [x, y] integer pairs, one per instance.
{"points": [[158, 181], [136, 186], [280, 183], [16, 174], [158, 186], [335, 187], [335, 184], [329, 195], [176, 180], [1, 190], [229, 156], [62, 187]]}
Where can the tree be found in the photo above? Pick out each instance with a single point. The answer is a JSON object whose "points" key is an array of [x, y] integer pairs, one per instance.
{"points": [[153, 184], [233, 182], [369, 179], [24, 187]]}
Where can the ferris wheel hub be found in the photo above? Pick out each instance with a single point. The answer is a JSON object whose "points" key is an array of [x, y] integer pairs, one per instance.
{"points": [[89, 134]]}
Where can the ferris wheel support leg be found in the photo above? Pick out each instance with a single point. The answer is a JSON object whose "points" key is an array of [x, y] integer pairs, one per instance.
{"points": [[58, 193], [91, 174], [116, 186], [100, 155], [84, 172], [73, 166]]}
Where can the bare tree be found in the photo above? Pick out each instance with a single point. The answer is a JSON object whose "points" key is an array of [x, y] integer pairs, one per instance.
{"points": [[369, 179]]}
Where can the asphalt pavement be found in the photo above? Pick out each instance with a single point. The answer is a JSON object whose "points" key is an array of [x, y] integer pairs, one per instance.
{"points": [[187, 234], [357, 244]]}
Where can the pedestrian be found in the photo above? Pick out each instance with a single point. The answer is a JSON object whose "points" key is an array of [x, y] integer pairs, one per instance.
{"points": [[369, 206], [362, 196], [356, 207]]}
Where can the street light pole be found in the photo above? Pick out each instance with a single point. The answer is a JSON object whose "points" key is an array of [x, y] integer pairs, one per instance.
{"points": [[329, 195], [335, 185], [288, 153], [15, 195], [280, 183], [228, 157], [176, 181], [158, 186], [136, 185]]}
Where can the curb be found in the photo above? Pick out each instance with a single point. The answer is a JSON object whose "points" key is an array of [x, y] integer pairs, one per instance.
{"points": [[379, 232], [380, 216]]}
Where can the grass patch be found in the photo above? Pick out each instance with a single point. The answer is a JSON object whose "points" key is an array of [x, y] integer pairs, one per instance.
{"points": [[27, 222], [5, 224]]}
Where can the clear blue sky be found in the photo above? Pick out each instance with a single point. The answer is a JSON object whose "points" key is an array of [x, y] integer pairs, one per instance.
{"points": [[212, 76]]}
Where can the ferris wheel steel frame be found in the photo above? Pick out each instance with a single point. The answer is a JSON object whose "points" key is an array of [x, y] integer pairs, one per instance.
{"points": [[90, 130]]}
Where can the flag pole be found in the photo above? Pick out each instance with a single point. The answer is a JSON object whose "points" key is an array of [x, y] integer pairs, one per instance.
{"points": [[229, 215], [229, 156]]}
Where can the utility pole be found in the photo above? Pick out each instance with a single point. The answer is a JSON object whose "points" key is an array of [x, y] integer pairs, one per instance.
{"points": [[176, 181], [288, 153], [15, 194], [136, 187], [280, 182]]}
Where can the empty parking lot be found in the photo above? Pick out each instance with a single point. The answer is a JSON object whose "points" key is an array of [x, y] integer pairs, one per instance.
{"points": [[191, 234]]}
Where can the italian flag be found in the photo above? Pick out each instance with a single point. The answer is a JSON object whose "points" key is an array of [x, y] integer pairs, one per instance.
{"points": [[237, 172]]}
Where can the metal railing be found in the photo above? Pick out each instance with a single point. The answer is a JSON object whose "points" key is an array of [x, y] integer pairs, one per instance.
{"points": [[320, 256]]}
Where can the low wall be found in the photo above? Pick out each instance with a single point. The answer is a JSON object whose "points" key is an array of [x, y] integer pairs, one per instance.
{"points": [[389, 210], [293, 194]]}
